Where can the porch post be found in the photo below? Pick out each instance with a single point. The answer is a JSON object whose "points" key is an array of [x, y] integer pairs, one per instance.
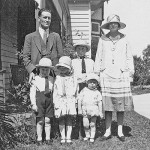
{"points": [[0, 33]]}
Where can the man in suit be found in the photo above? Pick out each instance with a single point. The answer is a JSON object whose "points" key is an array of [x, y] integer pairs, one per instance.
{"points": [[41, 43]]}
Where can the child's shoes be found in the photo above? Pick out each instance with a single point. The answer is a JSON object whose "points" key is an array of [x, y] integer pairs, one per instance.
{"points": [[49, 142], [86, 139], [69, 141], [39, 143], [62, 141], [92, 140]]}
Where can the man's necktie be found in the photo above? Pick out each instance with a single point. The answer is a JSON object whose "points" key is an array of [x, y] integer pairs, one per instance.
{"points": [[83, 65], [46, 85], [45, 37]]}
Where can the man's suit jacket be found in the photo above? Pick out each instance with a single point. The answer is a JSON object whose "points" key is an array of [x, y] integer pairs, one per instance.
{"points": [[32, 49]]}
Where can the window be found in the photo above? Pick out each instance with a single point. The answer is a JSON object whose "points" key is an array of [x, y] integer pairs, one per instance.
{"points": [[95, 28]]}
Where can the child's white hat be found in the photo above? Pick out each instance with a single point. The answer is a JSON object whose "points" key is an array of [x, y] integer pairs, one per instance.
{"points": [[81, 43], [92, 76], [65, 61], [45, 62]]}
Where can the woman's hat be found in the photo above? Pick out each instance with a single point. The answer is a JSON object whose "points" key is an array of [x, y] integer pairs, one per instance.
{"points": [[113, 18], [45, 62], [81, 43], [65, 61], [92, 76]]}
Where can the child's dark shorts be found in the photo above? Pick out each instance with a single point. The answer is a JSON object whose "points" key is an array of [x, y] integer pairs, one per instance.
{"points": [[45, 105]]}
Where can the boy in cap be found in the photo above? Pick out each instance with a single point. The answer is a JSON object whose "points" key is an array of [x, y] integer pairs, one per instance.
{"points": [[90, 106], [41, 99], [81, 67]]}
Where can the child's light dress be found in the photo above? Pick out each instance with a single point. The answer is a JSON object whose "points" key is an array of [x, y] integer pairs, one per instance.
{"points": [[64, 96], [88, 102]]}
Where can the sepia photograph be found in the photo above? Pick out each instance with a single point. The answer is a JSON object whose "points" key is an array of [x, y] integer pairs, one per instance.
{"points": [[74, 75]]}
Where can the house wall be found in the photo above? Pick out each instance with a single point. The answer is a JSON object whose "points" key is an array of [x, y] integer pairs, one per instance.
{"points": [[60, 15], [9, 15], [15, 25], [80, 15]]}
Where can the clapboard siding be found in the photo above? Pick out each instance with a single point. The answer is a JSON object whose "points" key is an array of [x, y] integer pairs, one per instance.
{"points": [[80, 21], [17, 19], [10, 49], [79, 16], [8, 38]]}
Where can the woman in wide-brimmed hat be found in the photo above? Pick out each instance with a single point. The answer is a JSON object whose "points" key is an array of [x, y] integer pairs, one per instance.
{"points": [[114, 64]]}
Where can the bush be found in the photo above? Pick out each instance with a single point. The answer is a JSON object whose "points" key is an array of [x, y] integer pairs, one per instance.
{"points": [[19, 98], [8, 137]]}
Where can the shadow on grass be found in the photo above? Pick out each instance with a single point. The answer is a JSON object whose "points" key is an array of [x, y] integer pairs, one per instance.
{"points": [[114, 129], [100, 129]]}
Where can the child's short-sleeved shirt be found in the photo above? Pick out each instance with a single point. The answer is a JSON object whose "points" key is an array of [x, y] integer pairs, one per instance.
{"points": [[88, 101], [38, 84], [77, 67]]}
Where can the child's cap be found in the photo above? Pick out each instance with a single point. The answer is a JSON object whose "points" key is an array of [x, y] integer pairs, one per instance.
{"points": [[45, 62], [81, 43], [65, 61], [92, 76]]}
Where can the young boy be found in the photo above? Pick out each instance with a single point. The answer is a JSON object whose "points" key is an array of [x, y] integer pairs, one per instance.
{"points": [[81, 67], [90, 106], [41, 99]]}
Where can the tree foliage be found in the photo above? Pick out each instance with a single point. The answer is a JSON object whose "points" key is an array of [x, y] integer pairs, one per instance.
{"points": [[142, 67]]}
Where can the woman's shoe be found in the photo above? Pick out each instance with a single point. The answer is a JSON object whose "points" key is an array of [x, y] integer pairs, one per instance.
{"points": [[121, 138], [104, 138]]}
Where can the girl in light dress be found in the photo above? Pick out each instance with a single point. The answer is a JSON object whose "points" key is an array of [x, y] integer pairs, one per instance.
{"points": [[64, 97], [90, 106]]}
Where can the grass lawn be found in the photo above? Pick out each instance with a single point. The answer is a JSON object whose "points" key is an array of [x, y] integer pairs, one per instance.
{"points": [[136, 130]]}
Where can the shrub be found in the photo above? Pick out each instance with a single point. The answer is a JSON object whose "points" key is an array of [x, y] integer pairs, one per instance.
{"points": [[8, 137]]}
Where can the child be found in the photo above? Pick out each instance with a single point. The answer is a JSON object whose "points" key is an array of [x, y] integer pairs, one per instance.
{"points": [[64, 96], [81, 66], [41, 99], [90, 106]]}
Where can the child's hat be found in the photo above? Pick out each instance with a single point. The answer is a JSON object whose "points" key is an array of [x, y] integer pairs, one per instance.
{"points": [[45, 62], [81, 43], [65, 61], [92, 76]]}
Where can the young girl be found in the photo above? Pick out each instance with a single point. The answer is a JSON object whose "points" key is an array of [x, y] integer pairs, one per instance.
{"points": [[90, 106], [64, 96], [41, 99]]}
